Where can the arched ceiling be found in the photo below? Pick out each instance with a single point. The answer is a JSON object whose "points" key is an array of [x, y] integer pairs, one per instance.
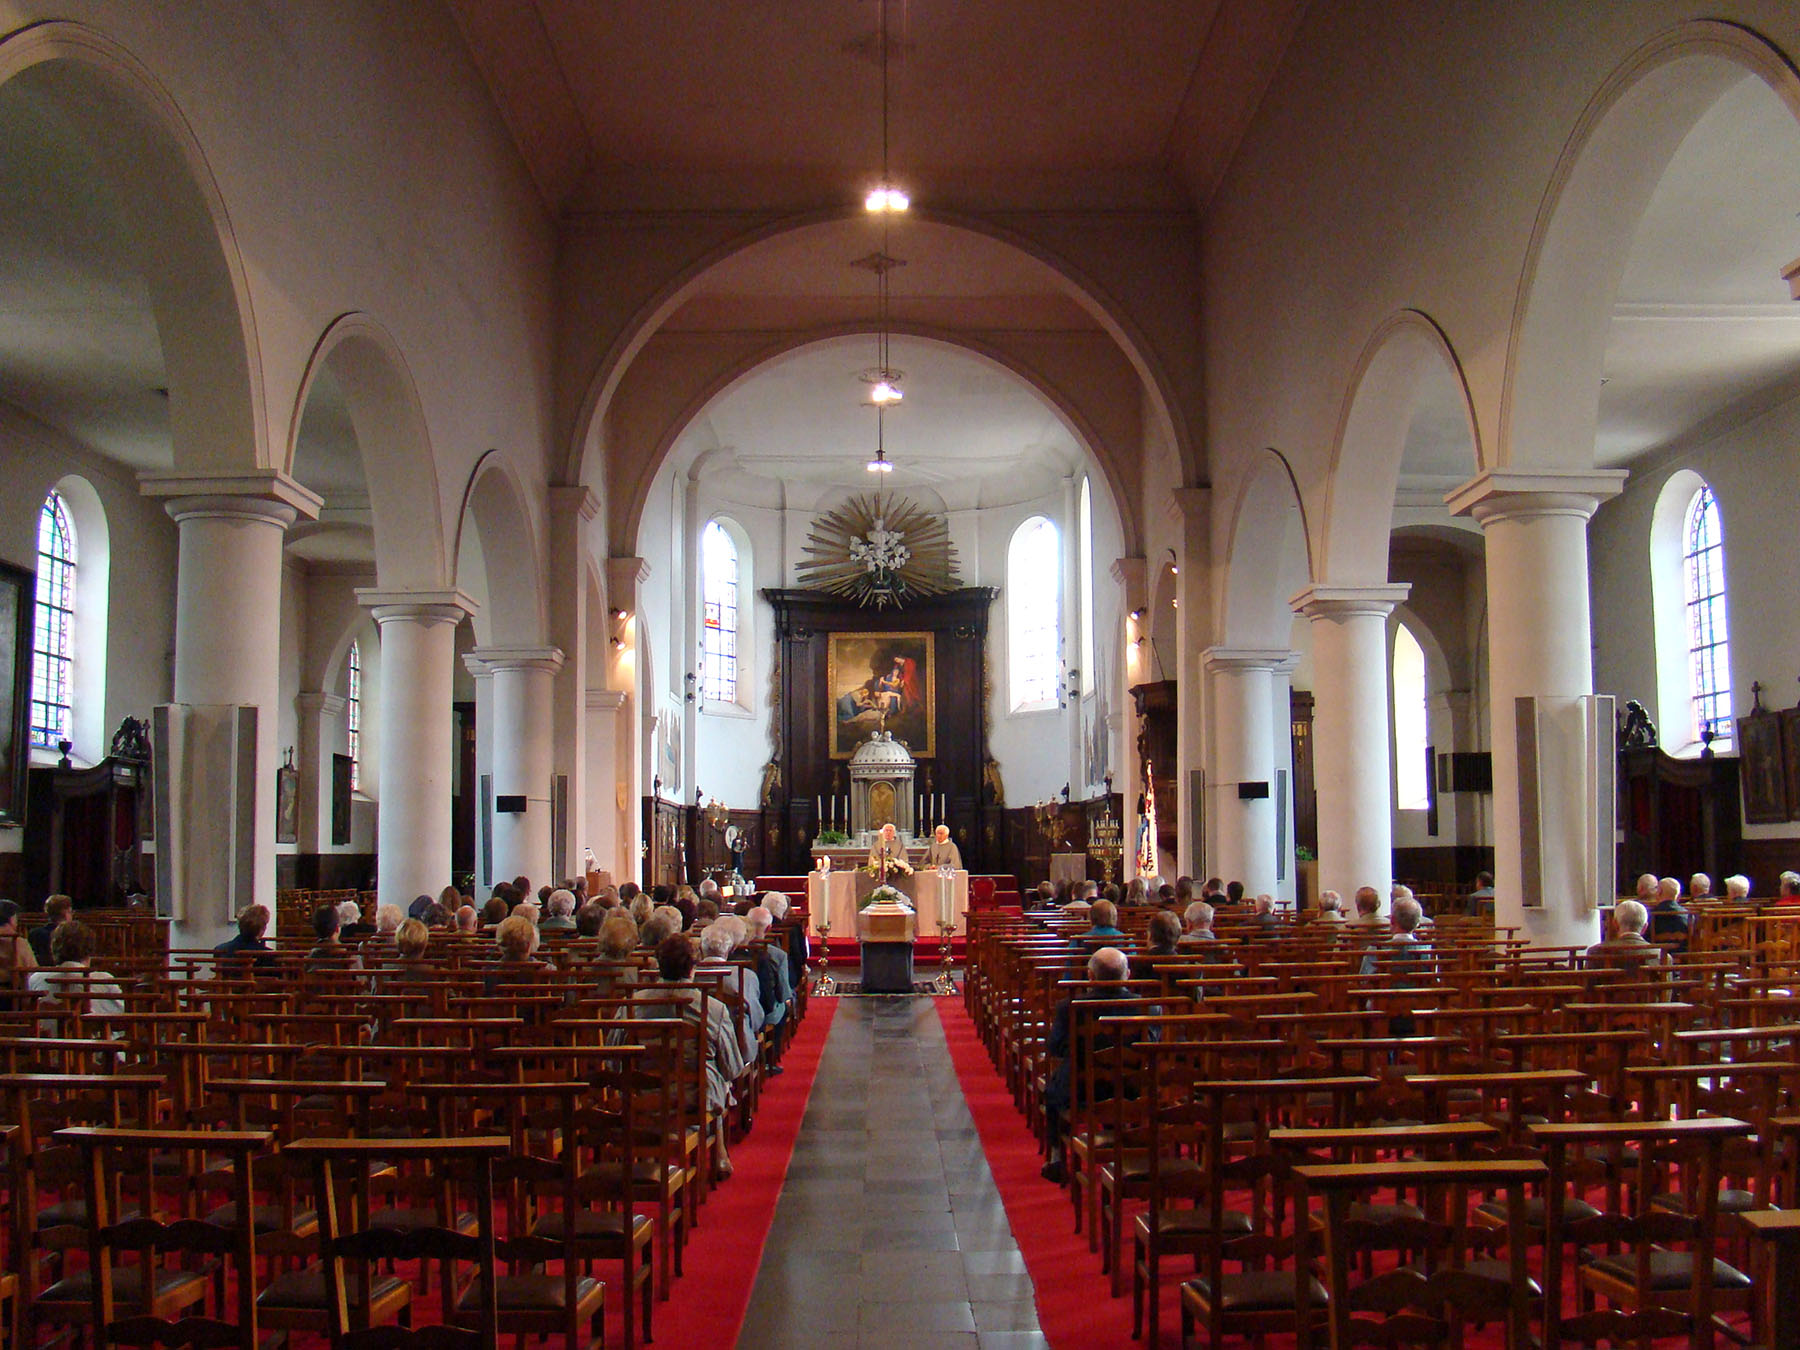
{"points": [[1705, 331], [645, 105], [799, 429]]}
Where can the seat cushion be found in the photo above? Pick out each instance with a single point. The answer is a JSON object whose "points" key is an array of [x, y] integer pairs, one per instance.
{"points": [[530, 1293], [306, 1289], [401, 1218], [267, 1218], [1731, 1201], [187, 1285], [1256, 1291], [1574, 1209], [1669, 1271], [1176, 1223], [593, 1225], [66, 1212]]}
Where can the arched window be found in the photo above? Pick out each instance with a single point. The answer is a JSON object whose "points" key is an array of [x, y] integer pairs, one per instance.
{"points": [[1709, 654], [1033, 614], [1084, 565], [53, 648], [1412, 735], [353, 714], [719, 622]]}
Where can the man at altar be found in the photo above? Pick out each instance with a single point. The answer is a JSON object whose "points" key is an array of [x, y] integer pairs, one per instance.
{"points": [[887, 854], [942, 851]]}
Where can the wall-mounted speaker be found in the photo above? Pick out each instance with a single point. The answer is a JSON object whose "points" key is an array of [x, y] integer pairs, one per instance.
{"points": [[509, 804], [1252, 791]]}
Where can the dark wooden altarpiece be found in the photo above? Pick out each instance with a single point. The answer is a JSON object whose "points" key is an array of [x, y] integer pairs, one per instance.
{"points": [[804, 623]]}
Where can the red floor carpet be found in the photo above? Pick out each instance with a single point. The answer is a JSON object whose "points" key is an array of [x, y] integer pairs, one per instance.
{"points": [[1076, 1308], [726, 1248]]}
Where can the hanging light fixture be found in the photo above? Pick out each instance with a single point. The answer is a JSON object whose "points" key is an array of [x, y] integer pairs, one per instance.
{"points": [[881, 463], [885, 197]]}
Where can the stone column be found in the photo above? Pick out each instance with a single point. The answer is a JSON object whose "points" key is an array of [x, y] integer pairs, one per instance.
{"points": [[485, 875], [1243, 743], [625, 576], [320, 716], [571, 510], [1128, 768], [609, 835], [1352, 745], [523, 679], [1191, 508], [227, 655], [1539, 643], [418, 738]]}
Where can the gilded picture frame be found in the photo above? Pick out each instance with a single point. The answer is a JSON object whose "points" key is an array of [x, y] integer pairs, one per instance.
{"points": [[876, 680]]}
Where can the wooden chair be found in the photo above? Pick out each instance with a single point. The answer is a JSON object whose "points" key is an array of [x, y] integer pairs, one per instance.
{"points": [[1432, 1300], [349, 1247], [124, 1308], [1630, 1260]]}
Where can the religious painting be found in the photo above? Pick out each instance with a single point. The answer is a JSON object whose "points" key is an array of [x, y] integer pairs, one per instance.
{"points": [[879, 681], [341, 766], [1790, 758], [17, 589], [287, 804], [1764, 776]]}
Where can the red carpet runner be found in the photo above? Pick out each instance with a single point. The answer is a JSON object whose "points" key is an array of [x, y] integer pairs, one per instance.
{"points": [[1076, 1309], [722, 1257]]}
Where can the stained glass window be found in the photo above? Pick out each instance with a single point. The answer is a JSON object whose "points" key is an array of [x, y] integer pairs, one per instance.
{"points": [[53, 658], [1411, 731], [719, 625], [353, 715], [1709, 653]]}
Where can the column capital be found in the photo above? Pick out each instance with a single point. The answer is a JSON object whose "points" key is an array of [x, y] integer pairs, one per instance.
{"points": [[422, 607], [1509, 494], [496, 659], [1230, 660], [1130, 573], [623, 577], [315, 701], [605, 700], [575, 499], [264, 495], [1344, 602]]}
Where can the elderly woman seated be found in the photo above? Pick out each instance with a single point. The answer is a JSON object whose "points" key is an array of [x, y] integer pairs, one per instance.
{"points": [[615, 972], [673, 995], [71, 981], [722, 937], [517, 938]]}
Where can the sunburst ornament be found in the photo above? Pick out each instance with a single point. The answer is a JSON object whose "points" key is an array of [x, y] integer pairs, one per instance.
{"points": [[879, 550]]}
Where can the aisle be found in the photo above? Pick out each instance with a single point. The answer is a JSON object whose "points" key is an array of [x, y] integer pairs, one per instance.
{"points": [[889, 1232]]}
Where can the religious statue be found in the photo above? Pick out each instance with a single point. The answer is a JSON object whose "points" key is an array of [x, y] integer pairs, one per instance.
{"points": [[131, 740], [1636, 731], [771, 783], [990, 780]]}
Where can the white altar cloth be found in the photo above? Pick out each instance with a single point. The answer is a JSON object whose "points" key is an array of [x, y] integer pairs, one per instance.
{"points": [[835, 895]]}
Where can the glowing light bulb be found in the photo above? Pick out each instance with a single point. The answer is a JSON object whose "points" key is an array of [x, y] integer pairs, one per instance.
{"points": [[886, 197], [885, 392], [879, 465]]}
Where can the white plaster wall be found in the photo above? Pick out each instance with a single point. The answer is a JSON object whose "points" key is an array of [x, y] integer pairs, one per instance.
{"points": [[1752, 470], [140, 622]]}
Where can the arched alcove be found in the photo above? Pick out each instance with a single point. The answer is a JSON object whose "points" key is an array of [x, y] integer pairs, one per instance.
{"points": [[1582, 240], [497, 557], [88, 115]]}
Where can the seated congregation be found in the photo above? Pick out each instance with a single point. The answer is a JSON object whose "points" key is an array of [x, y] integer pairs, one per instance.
{"points": [[456, 1122], [1405, 1129]]}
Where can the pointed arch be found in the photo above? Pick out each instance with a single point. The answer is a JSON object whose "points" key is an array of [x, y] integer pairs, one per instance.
{"points": [[495, 537], [1268, 556]]}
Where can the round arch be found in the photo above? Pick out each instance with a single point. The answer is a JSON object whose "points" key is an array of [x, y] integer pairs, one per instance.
{"points": [[399, 467], [188, 258], [1406, 361], [495, 537], [1268, 557], [1107, 312], [1597, 194], [632, 498]]}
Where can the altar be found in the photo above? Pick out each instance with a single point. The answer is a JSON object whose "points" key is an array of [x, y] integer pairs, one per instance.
{"points": [[837, 896]]}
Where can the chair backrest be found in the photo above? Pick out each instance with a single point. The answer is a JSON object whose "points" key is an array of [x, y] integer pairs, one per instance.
{"points": [[159, 1230], [349, 1247], [1435, 1298]]}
